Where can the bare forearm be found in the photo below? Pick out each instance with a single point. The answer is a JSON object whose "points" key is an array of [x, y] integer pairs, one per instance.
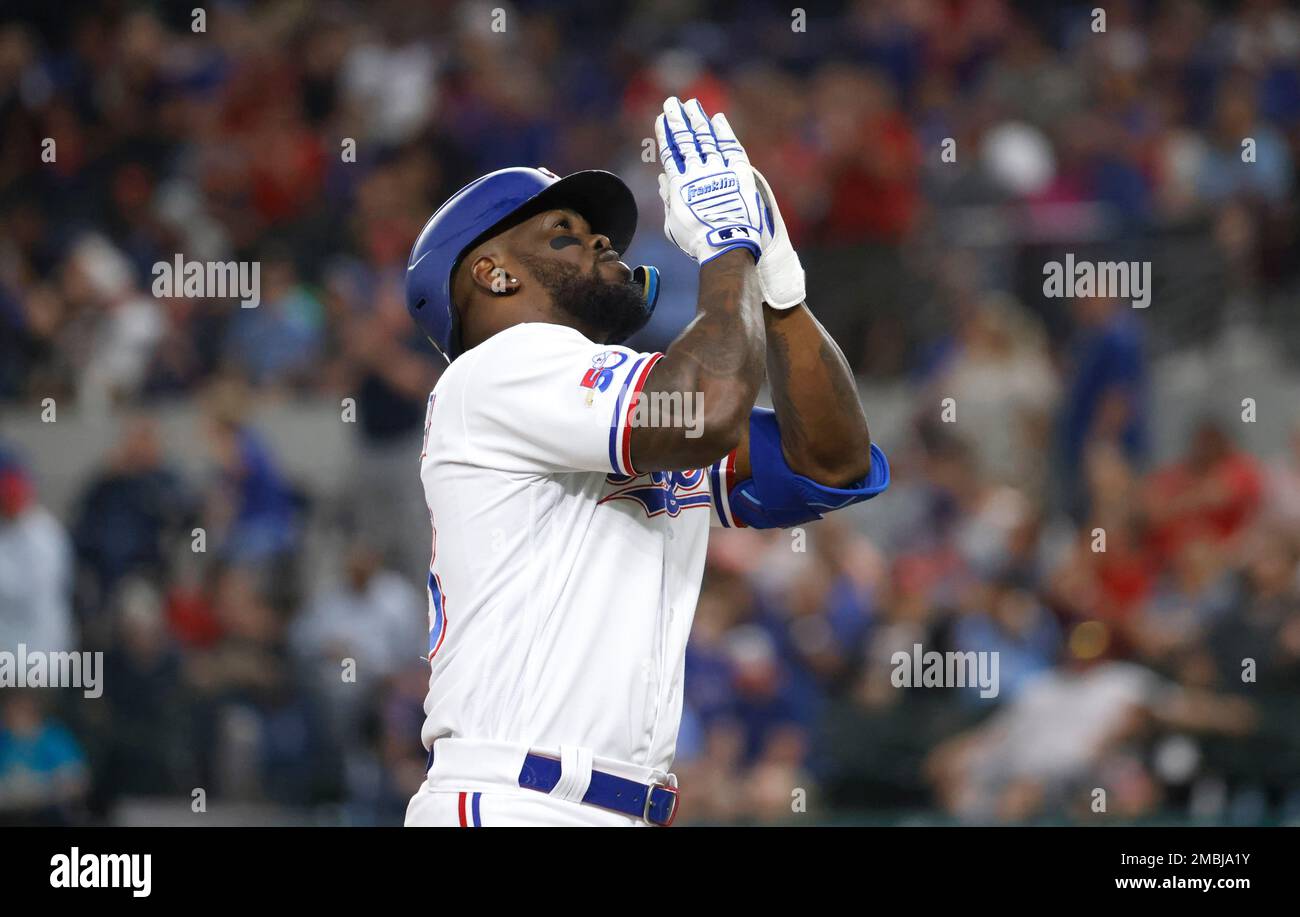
{"points": [[717, 363], [823, 429]]}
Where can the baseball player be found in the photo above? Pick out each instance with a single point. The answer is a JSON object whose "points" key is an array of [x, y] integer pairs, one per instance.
{"points": [[571, 481]]}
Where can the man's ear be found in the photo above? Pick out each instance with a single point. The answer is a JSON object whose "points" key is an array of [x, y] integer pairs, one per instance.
{"points": [[492, 278]]}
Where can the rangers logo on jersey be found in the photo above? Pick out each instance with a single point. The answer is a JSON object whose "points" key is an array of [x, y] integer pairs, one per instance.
{"points": [[661, 492]]}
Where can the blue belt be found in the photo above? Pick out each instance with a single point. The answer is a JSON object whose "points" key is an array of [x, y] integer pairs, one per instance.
{"points": [[655, 803]]}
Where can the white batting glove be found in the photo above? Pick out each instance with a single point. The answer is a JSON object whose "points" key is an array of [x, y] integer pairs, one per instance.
{"points": [[779, 273], [711, 201]]}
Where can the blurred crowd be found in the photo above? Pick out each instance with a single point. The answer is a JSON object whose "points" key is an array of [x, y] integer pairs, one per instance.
{"points": [[1145, 608]]}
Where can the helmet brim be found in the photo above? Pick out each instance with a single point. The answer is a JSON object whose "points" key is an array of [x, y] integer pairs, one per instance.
{"points": [[601, 197], [604, 201]]}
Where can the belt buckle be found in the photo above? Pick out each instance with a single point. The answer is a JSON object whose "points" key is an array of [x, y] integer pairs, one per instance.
{"points": [[670, 786]]}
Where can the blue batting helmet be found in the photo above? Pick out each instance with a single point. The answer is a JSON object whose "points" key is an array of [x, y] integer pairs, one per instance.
{"points": [[490, 205]]}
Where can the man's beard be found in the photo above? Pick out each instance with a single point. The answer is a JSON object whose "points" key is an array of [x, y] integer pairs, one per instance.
{"points": [[611, 310]]}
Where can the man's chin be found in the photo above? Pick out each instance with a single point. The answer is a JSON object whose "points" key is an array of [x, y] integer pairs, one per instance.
{"points": [[604, 299]]}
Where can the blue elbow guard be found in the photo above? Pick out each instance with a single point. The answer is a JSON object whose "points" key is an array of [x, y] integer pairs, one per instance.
{"points": [[776, 497]]}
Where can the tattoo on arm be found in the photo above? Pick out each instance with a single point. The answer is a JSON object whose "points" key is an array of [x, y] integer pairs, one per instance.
{"points": [[719, 357], [794, 433], [823, 430]]}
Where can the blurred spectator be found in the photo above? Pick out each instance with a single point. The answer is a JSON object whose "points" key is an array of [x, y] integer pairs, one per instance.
{"points": [[35, 568], [1212, 493], [869, 157], [142, 737], [1017, 627], [390, 371], [1045, 751], [278, 342], [1105, 398], [267, 731], [118, 325], [373, 616], [43, 773], [252, 515], [1262, 627], [372, 619], [1254, 653], [760, 703], [1220, 175], [130, 510], [1000, 374], [1196, 592], [397, 766]]}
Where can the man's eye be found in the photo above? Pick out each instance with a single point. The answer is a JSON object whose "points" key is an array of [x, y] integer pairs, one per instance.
{"points": [[562, 223]]}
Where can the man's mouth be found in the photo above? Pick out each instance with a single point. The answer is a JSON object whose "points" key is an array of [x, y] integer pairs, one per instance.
{"points": [[609, 256]]}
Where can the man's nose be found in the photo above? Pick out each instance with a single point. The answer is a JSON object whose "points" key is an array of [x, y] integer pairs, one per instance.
{"points": [[600, 242]]}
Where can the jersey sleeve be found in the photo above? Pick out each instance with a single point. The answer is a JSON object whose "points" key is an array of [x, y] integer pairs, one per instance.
{"points": [[543, 398], [721, 477]]}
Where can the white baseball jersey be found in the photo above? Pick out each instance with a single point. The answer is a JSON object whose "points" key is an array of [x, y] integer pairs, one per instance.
{"points": [[562, 583]]}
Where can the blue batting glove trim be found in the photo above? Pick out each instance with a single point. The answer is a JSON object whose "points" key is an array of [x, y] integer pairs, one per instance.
{"points": [[748, 246]]}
